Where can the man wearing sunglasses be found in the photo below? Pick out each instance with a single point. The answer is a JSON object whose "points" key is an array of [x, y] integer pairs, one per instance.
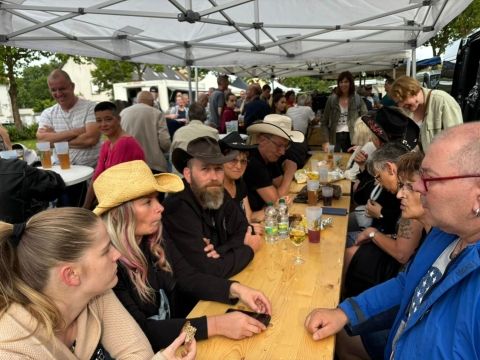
{"points": [[266, 180], [438, 295]]}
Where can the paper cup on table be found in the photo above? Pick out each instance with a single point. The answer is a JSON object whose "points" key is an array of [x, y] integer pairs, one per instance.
{"points": [[61, 148], [314, 220], [45, 154]]}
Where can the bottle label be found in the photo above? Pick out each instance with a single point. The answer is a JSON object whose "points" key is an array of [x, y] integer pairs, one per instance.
{"points": [[271, 230], [283, 228]]}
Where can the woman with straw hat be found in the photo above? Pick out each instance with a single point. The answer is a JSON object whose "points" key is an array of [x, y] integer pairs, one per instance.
{"points": [[56, 275], [128, 205]]}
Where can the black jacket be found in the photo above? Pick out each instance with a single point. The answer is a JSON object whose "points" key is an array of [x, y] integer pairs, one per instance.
{"points": [[25, 190], [186, 223]]}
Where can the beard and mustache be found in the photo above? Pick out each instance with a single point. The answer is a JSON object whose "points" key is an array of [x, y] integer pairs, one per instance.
{"points": [[210, 196]]}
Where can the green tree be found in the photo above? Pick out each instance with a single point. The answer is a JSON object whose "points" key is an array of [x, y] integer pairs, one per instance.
{"points": [[12, 61], [307, 83], [32, 86], [109, 72], [459, 27]]}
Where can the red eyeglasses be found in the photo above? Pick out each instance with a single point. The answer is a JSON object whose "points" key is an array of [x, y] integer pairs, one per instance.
{"points": [[426, 180]]}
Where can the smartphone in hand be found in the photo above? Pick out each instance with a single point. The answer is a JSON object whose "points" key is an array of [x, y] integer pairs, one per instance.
{"points": [[263, 318]]}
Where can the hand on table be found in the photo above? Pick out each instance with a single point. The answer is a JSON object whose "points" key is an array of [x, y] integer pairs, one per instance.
{"points": [[259, 228], [255, 299], [236, 325], [189, 352], [254, 241], [325, 322]]}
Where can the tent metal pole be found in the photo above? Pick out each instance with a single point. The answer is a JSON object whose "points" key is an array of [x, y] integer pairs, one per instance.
{"points": [[189, 82], [257, 20], [196, 83], [409, 66], [414, 62]]}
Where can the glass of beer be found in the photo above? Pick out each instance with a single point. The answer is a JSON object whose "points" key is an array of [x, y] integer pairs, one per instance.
{"points": [[297, 237], [63, 156], [45, 154]]}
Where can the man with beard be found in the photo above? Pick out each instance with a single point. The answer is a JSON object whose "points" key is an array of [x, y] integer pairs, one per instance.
{"points": [[203, 222]]}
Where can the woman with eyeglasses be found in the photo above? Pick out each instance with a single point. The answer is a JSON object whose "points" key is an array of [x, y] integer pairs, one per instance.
{"points": [[386, 253], [413, 228], [234, 170]]}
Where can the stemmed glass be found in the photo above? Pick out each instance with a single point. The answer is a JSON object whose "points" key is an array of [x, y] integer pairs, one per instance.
{"points": [[297, 237]]}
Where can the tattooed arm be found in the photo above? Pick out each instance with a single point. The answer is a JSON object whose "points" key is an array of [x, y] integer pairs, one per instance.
{"points": [[408, 238]]}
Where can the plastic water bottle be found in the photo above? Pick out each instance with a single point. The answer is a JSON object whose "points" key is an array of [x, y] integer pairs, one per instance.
{"points": [[282, 219], [271, 224]]}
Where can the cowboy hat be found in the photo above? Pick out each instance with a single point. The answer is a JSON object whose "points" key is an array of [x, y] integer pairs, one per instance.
{"points": [[203, 148], [235, 141], [129, 181], [391, 124], [279, 125]]}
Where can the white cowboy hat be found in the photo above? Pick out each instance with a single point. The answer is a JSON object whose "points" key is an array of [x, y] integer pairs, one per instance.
{"points": [[279, 125]]}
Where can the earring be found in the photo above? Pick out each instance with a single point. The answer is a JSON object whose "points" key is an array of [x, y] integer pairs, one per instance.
{"points": [[477, 212]]}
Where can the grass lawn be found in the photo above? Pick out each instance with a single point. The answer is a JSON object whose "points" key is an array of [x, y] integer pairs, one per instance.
{"points": [[30, 143]]}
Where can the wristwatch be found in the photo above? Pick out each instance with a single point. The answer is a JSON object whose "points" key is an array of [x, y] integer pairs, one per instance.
{"points": [[371, 235]]}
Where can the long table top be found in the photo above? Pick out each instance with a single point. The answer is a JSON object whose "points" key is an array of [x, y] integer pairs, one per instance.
{"points": [[294, 291]]}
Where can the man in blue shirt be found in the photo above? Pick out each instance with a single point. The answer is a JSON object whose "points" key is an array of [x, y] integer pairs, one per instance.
{"points": [[434, 304]]}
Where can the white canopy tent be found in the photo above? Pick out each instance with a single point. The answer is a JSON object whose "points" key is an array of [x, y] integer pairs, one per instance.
{"points": [[241, 33]]}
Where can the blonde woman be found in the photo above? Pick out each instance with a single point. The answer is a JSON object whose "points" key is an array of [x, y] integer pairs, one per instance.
{"points": [[147, 287], [432, 110], [56, 275]]}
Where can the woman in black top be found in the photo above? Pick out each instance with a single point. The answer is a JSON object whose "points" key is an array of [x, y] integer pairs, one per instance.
{"points": [[128, 204], [234, 170]]}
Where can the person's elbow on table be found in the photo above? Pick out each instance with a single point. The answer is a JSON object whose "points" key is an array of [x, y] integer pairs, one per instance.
{"points": [[323, 323]]}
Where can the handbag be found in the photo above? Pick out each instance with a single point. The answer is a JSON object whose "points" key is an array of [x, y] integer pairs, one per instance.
{"points": [[363, 220]]}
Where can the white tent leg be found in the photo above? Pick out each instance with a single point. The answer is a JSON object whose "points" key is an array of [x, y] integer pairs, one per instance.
{"points": [[196, 83], [189, 82], [409, 66], [414, 62]]}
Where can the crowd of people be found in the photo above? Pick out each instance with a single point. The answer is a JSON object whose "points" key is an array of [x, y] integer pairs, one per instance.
{"points": [[175, 209]]}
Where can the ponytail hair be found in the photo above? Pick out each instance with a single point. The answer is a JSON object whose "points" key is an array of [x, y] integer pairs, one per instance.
{"points": [[49, 238], [121, 224]]}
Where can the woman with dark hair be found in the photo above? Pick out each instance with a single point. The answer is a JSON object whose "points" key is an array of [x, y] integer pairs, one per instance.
{"points": [[343, 107], [279, 103], [234, 170], [228, 113], [56, 275]]}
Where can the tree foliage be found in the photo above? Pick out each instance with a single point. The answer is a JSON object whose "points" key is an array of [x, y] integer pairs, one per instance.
{"points": [[12, 61], [459, 27], [109, 72], [32, 86], [307, 83]]}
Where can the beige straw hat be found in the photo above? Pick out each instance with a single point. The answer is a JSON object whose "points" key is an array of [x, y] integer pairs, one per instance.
{"points": [[128, 181], [279, 125]]}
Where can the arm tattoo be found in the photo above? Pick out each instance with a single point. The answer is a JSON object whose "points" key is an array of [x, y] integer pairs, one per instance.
{"points": [[405, 228]]}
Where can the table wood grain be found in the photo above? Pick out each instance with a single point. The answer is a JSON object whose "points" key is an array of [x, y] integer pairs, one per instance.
{"points": [[294, 291]]}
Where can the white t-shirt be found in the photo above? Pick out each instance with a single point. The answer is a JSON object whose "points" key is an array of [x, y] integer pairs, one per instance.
{"points": [[342, 125], [78, 116], [301, 116]]}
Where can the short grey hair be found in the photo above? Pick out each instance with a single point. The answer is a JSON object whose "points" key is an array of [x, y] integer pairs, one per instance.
{"points": [[303, 99], [388, 153]]}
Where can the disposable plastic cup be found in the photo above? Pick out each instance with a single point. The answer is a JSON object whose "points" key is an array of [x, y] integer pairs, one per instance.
{"points": [[45, 154], [312, 188], [63, 156], [327, 195], [313, 214]]}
